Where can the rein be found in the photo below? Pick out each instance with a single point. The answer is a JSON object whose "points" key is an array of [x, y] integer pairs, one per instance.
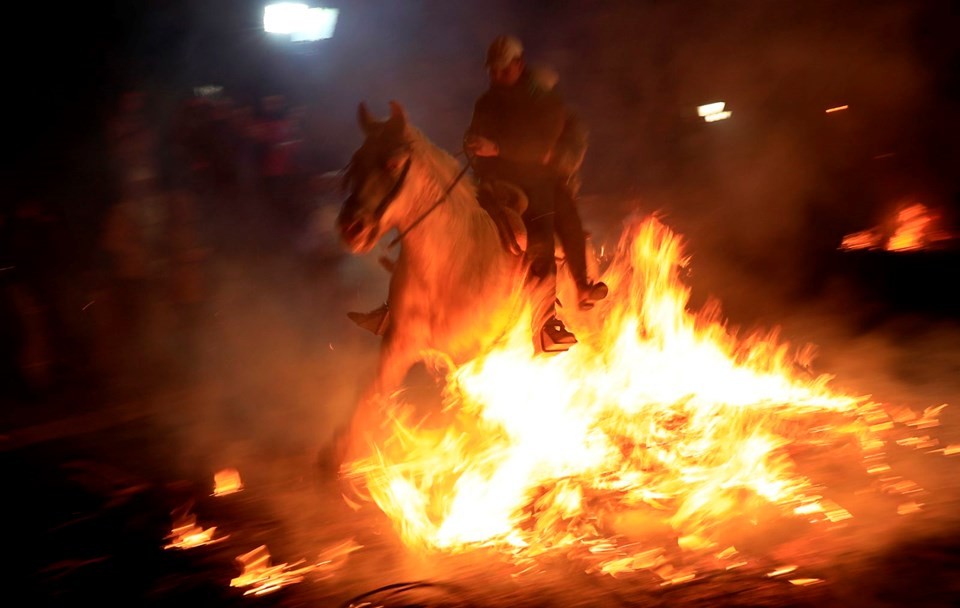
{"points": [[393, 193]]}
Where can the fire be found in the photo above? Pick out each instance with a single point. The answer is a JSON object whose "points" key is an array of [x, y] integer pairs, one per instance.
{"points": [[661, 431], [227, 481], [262, 577], [914, 226], [187, 534]]}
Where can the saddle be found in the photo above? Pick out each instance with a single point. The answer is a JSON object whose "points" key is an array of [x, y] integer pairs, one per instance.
{"points": [[505, 204]]}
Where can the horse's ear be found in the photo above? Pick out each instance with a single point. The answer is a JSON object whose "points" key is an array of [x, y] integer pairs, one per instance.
{"points": [[397, 113], [366, 121]]}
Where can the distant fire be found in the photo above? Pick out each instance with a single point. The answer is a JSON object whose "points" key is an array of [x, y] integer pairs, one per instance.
{"points": [[660, 432], [913, 226]]}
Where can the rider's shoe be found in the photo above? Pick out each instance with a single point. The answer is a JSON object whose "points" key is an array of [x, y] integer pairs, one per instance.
{"points": [[591, 293], [554, 337], [374, 321]]}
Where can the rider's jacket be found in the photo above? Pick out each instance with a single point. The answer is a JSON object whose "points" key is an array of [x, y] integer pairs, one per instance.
{"points": [[535, 130]]}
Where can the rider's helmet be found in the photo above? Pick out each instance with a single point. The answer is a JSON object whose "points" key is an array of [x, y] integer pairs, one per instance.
{"points": [[503, 50]]}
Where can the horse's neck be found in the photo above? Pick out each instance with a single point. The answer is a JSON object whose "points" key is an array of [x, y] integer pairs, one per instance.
{"points": [[453, 227]]}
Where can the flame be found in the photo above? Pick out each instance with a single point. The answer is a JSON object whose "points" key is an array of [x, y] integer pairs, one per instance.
{"points": [[914, 226], [661, 430], [262, 577], [227, 481], [187, 534]]}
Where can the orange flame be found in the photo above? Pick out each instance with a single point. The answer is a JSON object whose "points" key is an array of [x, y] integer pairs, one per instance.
{"points": [[227, 481], [914, 226], [262, 577], [659, 429], [187, 534]]}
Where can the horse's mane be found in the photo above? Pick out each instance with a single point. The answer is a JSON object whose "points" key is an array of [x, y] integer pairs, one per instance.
{"points": [[464, 220], [443, 169]]}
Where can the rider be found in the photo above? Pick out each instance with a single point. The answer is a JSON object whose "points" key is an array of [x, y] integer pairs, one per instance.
{"points": [[522, 132]]}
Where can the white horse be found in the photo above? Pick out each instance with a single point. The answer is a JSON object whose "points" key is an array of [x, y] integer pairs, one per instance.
{"points": [[454, 288]]}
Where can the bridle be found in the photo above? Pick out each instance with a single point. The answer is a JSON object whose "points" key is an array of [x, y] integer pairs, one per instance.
{"points": [[394, 191], [440, 200], [391, 196]]}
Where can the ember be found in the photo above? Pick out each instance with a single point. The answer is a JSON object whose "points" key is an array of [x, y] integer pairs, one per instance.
{"points": [[187, 534], [662, 431], [262, 577], [227, 482], [914, 226]]}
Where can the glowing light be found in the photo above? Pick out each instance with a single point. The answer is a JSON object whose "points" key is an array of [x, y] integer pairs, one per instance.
{"points": [[837, 109], [717, 116], [914, 226], [710, 108], [261, 576], [299, 21], [318, 24], [227, 482], [187, 534], [283, 17]]}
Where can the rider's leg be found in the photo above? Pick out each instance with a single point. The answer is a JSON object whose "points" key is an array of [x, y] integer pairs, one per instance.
{"points": [[541, 249], [573, 240], [498, 214]]}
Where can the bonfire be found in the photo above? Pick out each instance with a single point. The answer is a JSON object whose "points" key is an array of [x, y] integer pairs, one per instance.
{"points": [[663, 433]]}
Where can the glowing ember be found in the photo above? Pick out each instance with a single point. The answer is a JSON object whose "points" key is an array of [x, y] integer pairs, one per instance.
{"points": [[781, 571], [661, 431], [262, 578], [227, 482], [913, 227], [187, 534], [800, 582]]}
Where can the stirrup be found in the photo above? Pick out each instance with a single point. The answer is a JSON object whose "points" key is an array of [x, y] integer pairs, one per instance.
{"points": [[555, 338], [593, 293]]}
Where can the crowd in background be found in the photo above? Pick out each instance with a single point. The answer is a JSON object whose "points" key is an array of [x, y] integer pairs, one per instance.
{"points": [[216, 181]]}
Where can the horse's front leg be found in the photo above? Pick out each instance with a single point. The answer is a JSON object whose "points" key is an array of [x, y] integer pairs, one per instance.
{"points": [[396, 359]]}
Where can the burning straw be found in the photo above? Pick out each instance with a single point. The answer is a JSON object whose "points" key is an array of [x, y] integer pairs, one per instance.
{"points": [[661, 433]]}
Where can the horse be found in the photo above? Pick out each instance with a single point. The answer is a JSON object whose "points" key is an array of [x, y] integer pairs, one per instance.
{"points": [[454, 288]]}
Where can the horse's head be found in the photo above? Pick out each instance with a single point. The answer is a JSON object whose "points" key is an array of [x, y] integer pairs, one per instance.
{"points": [[376, 179]]}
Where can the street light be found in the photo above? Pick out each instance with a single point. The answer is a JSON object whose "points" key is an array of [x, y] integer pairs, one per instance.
{"points": [[299, 21], [712, 112]]}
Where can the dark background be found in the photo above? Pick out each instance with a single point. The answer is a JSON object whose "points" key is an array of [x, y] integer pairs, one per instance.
{"points": [[635, 70]]}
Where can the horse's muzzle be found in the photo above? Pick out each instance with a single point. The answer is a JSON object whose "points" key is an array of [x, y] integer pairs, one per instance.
{"points": [[358, 231]]}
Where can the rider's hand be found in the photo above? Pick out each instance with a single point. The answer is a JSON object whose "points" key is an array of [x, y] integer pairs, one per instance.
{"points": [[481, 146]]}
